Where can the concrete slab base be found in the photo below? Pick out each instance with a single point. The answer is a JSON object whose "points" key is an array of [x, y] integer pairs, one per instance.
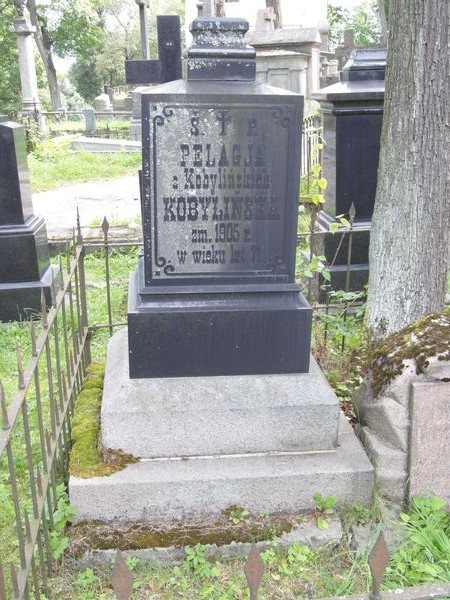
{"points": [[179, 489], [239, 414], [264, 442]]}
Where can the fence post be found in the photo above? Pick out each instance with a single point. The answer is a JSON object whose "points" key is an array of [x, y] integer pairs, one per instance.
{"points": [[83, 300], [105, 229]]}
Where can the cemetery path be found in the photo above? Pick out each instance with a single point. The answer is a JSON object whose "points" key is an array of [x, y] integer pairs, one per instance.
{"points": [[117, 199]]}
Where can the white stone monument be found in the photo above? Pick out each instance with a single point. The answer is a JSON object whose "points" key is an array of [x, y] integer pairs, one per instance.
{"points": [[28, 79]]}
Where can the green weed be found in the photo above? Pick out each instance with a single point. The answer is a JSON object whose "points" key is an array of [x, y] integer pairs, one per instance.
{"points": [[197, 562], [425, 556], [62, 168], [324, 507]]}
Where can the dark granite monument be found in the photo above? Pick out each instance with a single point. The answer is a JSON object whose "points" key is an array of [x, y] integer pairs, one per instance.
{"points": [[145, 72], [212, 385], [168, 66], [214, 293], [352, 112], [25, 269]]}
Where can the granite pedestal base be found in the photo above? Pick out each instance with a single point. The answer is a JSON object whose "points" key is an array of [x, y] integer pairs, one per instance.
{"points": [[25, 269], [21, 300], [266, 442], [224, 331], [335, 248]]}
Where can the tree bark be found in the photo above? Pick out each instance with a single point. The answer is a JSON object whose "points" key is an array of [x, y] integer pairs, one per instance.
{"points": [[44, 45], [410, 227]]}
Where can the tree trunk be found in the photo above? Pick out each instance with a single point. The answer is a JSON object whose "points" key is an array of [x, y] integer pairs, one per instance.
{"points": [[43, 43], [410, 227], [383, 22]]}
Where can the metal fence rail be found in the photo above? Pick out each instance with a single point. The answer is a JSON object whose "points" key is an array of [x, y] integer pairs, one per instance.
{"points": [[311, 144], [35, 429]]}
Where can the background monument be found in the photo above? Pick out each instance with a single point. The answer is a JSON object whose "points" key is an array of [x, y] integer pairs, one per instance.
{"points": [[25, 268], [352, 112]]}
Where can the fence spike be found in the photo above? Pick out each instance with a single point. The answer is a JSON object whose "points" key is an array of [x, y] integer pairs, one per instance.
{"points": [[21, 380], [352, 213], [378, 561], [105, 227], [79, 235], [254, 569], [121, 578], [33, 338], [44, 310], [5, 420]]}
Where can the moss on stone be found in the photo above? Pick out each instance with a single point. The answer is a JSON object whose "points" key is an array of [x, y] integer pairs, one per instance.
{"points": [[96, 535], [88, 458], [427, 337]]}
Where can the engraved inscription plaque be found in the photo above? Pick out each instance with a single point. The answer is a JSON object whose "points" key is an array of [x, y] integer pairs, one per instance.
{"points": [[220, 185]]}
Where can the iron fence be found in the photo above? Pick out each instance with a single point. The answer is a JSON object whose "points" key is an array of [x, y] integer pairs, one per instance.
{"points": [[90, 122], [311, 145], [36, 427]]}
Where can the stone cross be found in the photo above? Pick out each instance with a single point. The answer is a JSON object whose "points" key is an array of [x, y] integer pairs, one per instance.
{"points": [[168, 67], [265, 19], [143, 6]]}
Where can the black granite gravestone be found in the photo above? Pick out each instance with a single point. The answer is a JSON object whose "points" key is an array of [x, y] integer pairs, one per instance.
{"points": [[214, 293], [352, 112], [168, 67], [25, 269]]}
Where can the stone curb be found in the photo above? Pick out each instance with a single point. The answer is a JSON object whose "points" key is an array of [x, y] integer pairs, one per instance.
{"points": [[305, 534]]}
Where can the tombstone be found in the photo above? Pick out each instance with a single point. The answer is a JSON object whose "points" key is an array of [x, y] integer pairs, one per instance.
{"points": [[166, 68], [25, 269], [429, 439], [89, 117], [352, 113], [215, 365], [213, 232], [27, 67], [288, 58]]}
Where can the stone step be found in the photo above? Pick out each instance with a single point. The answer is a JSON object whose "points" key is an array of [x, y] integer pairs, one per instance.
{"points": [[180, 489], [383, 455], [195, 416]]}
